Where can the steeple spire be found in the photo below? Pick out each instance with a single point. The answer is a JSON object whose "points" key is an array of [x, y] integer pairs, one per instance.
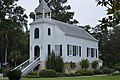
{"points": [[43, 9]]}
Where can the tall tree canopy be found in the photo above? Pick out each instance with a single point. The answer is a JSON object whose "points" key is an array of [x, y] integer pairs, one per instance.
{"points": [[12, 24], [113, 13], [60, 11]]}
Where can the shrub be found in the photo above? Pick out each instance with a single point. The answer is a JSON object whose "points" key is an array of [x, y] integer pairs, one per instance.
{"points": [[94, 65], [97, 72], [66, 75], [77, 74], [1, 70], [59, 74], [84, 64], [107, 71], [117, 66], [32, 75], [5, 71], [115, 74], [85, 73], [71, 75], [14, 75], [54, 62], [47, 73]]}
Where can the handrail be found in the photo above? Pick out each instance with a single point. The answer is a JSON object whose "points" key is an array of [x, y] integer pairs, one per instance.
{"points": [[30, 66], [21, 64], [27, 66]]}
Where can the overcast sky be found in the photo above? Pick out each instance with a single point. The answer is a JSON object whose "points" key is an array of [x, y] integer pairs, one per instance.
{"points": [[86, 11]]}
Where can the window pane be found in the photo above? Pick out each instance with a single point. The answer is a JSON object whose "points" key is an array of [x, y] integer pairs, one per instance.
{"points": [[49, 49], [96, 53], [80, 51], [36, 33], [49, 31], [92, 52], [67, 50], [60, 50]]}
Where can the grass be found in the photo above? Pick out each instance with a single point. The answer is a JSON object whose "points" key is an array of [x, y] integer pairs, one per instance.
{"points": [[78, 78]]}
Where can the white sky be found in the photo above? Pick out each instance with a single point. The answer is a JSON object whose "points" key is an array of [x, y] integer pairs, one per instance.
{"points": [[86, 11]]}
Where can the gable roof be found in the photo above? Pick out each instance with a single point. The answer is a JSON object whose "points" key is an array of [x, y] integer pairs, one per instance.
{"points": [[43, 6], [74, 31], [68, 29]]}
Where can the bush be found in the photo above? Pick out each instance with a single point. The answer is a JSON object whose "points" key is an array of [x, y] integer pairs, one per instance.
{"points": [[59, 74], [115, 74], [107, 71], [5, 71], [84, 64], [32, 75], [97, 72], [54, 62], [85, 73], [72, 75], [66, 75], [47, 73], [117, 66], [1, 70], [14, 75], [77, 74]]}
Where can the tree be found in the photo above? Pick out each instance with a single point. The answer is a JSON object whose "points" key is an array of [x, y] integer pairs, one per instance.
{"points": [[14, 56], [59, 64], [94, 65], [84, 64], [113, 13], [12, 24], [54, 62], [60, 11]]}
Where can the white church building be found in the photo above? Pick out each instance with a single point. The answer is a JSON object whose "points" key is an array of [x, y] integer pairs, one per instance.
{"points": [[71, 42]]}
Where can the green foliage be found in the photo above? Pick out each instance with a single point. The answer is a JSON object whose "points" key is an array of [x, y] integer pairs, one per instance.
{"points": [[5, 71], [94, 65], [107, 71], [13, 21], [84, 64], [115, 74], [113, 15], [84, 73], [1, 70], [97, 72], [54, 62], [47, 73], [14, 56], [14, 75], [60, 11], [33, 74], [117, 66], [59, 74], [59, 64]]}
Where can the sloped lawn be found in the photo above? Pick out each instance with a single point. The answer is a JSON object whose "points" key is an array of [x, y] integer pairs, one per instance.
{"points": [[78, 78]]}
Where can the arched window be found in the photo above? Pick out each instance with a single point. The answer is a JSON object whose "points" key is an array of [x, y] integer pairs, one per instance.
{"points": [[49, 31], [36, 33], [36, 51]]}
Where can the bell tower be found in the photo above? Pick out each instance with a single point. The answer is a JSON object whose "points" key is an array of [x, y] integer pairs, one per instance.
{"points": [[42, 11]]}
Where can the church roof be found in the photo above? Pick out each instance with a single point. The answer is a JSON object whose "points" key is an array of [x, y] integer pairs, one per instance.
{"points": [[43, 6], [68, 29], [73, 30]]}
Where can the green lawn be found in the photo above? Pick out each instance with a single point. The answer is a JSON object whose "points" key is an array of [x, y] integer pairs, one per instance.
{"points": [[78, 78]]}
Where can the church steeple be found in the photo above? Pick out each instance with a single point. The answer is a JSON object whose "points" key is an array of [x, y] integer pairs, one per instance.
{"points": [[42, 11]]}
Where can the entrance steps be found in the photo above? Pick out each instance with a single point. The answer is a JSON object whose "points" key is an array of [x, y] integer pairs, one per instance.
{"points": [[28, 66]]}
